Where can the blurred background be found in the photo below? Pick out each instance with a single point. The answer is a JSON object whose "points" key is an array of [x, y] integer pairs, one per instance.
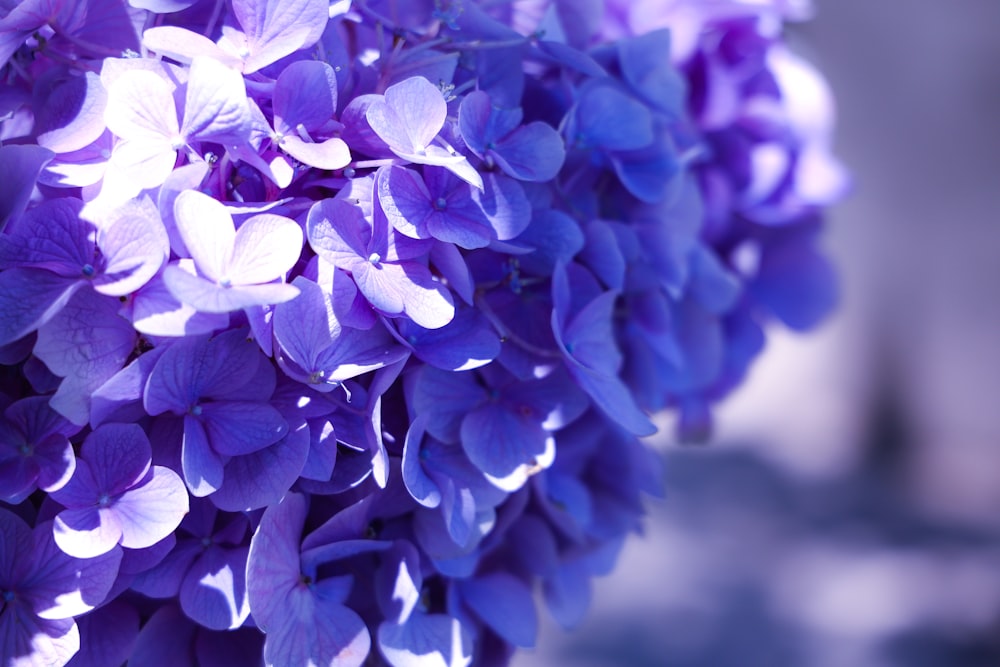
{"points": [[847, 512]]}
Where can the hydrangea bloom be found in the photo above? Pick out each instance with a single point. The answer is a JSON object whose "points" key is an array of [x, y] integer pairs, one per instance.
{"points": [[329, 331]]}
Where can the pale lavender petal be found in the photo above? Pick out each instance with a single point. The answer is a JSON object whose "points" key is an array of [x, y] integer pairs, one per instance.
{"points": [[135, 165], [405, 199], [87, 532], [210, 297], [157, 312], [186, 177], [410, 115], [81, 168], [215, 107], [207, 230], [184, 45], [407, 288], [276, 28], [330, 154], [338, 232], [265, 247], [454, 162], [150, 512], [141, 106], [134, 244]]}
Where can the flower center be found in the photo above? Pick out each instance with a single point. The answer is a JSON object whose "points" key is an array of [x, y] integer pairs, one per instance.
{"points": [[7, 596], [375, 258], [103, 500], [195, 410], [441, 203], [226, 283], [88, 270]]}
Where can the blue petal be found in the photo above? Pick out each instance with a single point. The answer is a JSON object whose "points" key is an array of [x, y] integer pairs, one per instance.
{"points": [[505, 604]]}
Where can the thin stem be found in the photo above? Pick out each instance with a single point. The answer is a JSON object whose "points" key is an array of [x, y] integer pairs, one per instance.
{"points": [[214, 18], [479, 45]]}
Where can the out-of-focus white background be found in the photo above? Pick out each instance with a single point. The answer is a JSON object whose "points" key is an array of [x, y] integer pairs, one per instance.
{"points": [[847, 513]]}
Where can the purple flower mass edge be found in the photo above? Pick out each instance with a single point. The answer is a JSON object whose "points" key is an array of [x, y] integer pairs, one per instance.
{"points": [[329, 332]]}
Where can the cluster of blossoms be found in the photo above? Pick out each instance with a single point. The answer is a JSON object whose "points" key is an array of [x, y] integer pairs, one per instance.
{"points": [[329, 330]]}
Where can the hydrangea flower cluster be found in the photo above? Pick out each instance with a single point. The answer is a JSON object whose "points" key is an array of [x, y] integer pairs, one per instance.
{"points": [[329, 330]]}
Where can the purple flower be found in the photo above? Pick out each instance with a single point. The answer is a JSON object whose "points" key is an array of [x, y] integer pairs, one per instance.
{"points": [[35, 451], [235, 268], [206, 570], [41, 591], [142, 113], [303, 614], [532, 152], [219, 387], [116, 497], [386, 269], [316, 349], [409, 118], [391, 289]]}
